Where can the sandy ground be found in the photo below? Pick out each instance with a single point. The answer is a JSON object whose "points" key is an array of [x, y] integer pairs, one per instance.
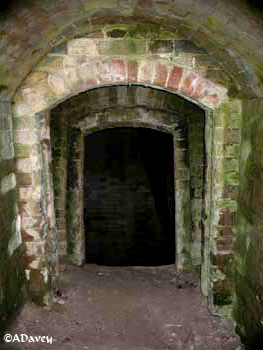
{"points": [[125, 308]]}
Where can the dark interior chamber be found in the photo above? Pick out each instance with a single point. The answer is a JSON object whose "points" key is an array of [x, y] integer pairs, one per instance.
{"points": [[129, 197]]}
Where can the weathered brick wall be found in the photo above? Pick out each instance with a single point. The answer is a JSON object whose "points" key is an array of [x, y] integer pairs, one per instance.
{"points": [[83, 65], [197, 161], [248, 248], [209, 25], [11, 257], [225, 192], [33, 157], [59, 144]]}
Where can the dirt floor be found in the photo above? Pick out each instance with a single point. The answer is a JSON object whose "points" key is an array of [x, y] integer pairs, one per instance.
{"points": [[125, 308]]}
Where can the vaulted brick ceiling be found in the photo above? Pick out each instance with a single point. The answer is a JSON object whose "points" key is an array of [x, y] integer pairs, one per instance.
{"points": [[229, 31]]}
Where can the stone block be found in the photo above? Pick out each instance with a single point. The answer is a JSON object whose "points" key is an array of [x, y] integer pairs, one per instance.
{"points": [[112, 71], [4, 109], [31, 222], [146, 71], [24, 179], [7, 146], [26, 137], [71, 61], [83, 46], [88, 74], [50, 64], [8, 183], [23, 122], [161, 46], [3, 122], [58, 83], [232, 136], [39, 96], [35, 249], [28, 194], [28, 165], [232, 150]]}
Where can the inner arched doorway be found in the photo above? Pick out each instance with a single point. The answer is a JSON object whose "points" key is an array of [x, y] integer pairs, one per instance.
{"points": [[140, 108]]}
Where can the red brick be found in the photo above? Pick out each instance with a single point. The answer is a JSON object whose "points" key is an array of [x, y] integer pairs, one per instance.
{"points": [[189, 84], [210, 101], [111, 72], [175, 78], [26, 237], [160, 75], [132, 71], [225, 217], [204, 88]]}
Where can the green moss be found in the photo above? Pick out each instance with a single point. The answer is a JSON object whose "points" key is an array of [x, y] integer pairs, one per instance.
{"points": [[3, 88], [221, 298], [143, 30]]}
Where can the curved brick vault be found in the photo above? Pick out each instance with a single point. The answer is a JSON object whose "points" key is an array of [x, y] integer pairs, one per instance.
{"points": [[214, 27], [83, 68]]}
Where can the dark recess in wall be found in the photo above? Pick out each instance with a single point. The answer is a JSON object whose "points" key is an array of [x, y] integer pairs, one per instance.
{"points": [[129, 197]]}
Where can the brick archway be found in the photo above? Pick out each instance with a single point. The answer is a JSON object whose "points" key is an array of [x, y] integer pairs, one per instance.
{"points": [[82, 68]]}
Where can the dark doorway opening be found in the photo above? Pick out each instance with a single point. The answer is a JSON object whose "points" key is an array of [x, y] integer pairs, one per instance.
{"points": [[129, 197]]}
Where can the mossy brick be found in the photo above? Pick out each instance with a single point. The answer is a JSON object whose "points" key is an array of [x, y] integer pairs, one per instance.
{"points": [[231, 150], [161, 46], [225, 117], [226, 203], [219, 134], [3, 123], [50, 63], [230, 164], [25, 123], [232, 136], [122, 47], [25, 151], [6, 143], [218, 150], [188, 47], [4, 106], [231, 178]]}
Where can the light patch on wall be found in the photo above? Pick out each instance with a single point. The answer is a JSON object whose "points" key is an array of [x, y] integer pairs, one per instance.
{"points": [[44, 272], [29, 165], [246, 150], [16, 239], [8, 183], [35, 263], [27, 272]]}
